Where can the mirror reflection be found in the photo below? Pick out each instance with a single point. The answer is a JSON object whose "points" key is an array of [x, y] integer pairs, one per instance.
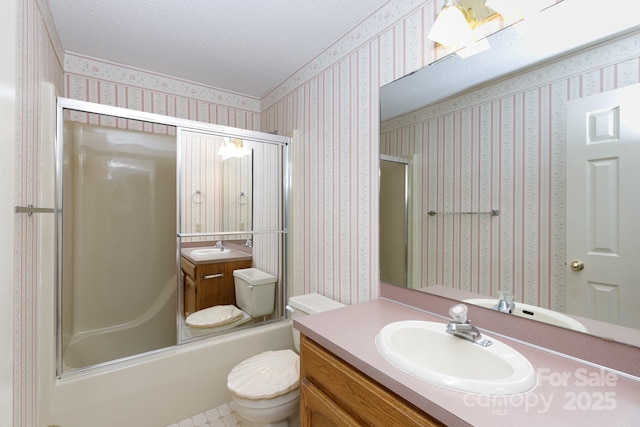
{"points": [[231, 232], [490, 173], [219, 184]]}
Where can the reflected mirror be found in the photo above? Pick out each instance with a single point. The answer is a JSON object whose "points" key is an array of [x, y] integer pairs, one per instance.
{"points": [[217, 182], [486, 139]]}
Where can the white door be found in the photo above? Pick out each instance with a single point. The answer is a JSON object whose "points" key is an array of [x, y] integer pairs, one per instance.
{"points": [[603, 206]]}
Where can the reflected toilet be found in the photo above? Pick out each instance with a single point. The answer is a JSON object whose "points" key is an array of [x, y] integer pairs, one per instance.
{"points": [[255, 297], [265, 387]]}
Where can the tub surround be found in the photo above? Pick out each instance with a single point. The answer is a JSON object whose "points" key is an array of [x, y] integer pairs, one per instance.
{"points": [[567, 389]]}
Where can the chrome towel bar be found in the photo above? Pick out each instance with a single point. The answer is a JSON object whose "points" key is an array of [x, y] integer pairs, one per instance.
{"points": [[31, 210], [492, 212]]}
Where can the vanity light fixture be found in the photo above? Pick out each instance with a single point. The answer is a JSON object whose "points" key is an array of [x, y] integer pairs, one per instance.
{"points": [[451, 27], [232, 148]]}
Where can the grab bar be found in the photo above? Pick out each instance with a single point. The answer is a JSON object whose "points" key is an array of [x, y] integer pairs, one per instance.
{"points": [[31, 210], [492, 212]]}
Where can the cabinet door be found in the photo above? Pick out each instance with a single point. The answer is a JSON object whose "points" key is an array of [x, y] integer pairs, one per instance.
{"points": [[212, 289], [189, 295], [356, 394], [317, 410], [216, 284], [189, 286]]}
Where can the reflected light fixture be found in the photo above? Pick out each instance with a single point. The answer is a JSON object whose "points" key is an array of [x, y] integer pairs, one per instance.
{"points": [[232, 148], [451, 27]]}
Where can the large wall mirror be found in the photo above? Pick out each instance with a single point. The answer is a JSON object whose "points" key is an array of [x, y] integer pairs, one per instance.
{"points": [[495, 147], [157, 218]]}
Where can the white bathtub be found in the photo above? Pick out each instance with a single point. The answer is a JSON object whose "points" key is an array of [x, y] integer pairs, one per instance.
{"points": [[161, 388]]}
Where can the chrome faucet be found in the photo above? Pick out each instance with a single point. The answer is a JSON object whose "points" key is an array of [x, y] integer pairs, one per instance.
{"points": [[505, 302], [462, 328], [249, 243], [220, 246]]}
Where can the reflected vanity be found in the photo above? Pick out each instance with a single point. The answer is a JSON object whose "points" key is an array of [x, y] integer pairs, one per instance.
{"points": [[489, 133]]}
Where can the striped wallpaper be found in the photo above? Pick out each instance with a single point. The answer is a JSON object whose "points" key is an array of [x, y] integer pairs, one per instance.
{"points": [[333, 103], [502, 147], [38, 59], [210, 198], [94, 80]]}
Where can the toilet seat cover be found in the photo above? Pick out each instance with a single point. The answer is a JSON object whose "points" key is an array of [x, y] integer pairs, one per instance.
{"points": [[265, 375], [217, 315]]}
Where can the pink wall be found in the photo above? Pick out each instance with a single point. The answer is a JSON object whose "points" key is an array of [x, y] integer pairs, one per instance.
{"points": [[334, 104], [38, 59], [102, 82], [502, 147]]}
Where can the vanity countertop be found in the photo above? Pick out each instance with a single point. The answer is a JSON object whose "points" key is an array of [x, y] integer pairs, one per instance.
{"points": [[569, 392], [238, 252], [234, 255]]}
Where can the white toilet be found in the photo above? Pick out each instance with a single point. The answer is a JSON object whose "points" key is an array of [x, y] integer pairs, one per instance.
{"points": [[255, 297], [265, 387]]}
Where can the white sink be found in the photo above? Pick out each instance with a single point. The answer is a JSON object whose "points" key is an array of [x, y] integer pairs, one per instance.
{"points": [[424, 350], [209, 252], [535, 313]]}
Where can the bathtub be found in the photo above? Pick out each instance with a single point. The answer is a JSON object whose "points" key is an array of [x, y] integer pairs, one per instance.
{"points": [[160, 388]]}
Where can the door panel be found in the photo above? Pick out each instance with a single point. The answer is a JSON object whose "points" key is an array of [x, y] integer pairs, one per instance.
{"points": [[603, 207]]}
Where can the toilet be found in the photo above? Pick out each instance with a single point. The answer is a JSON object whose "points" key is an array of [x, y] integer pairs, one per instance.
{"points": [[255, 297], [265, 387]]}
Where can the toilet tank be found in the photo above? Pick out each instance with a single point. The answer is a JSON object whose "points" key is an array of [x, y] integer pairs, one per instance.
{"points": [[306, 304], [255, 291]]}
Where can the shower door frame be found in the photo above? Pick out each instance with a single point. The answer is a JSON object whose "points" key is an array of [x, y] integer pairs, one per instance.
{"points": [[68, 104]]}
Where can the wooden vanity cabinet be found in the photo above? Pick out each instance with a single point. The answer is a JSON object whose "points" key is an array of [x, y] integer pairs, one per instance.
{"points": [[206, 285], [333, 393]]}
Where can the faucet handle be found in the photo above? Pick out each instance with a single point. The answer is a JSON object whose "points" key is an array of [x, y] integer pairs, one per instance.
{"points": [[459, 313]]}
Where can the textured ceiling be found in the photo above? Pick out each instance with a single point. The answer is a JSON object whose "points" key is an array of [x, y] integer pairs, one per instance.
{"points": [[245, 46]]}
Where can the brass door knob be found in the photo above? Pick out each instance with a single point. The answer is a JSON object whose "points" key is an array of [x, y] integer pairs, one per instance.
{"points": [[577, 265]]}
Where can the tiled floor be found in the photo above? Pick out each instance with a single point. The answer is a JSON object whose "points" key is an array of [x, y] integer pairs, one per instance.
{"points": [[222, 416]]}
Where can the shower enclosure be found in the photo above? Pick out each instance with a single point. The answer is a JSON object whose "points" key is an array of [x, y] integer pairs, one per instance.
{"points": [[126, 190]]}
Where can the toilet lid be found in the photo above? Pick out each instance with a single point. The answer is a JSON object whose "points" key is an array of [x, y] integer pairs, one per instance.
{"points": [[265, 375], [211, 317]]}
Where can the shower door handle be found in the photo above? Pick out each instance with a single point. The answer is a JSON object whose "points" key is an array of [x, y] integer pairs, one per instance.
{"points": [[212, 276]]}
